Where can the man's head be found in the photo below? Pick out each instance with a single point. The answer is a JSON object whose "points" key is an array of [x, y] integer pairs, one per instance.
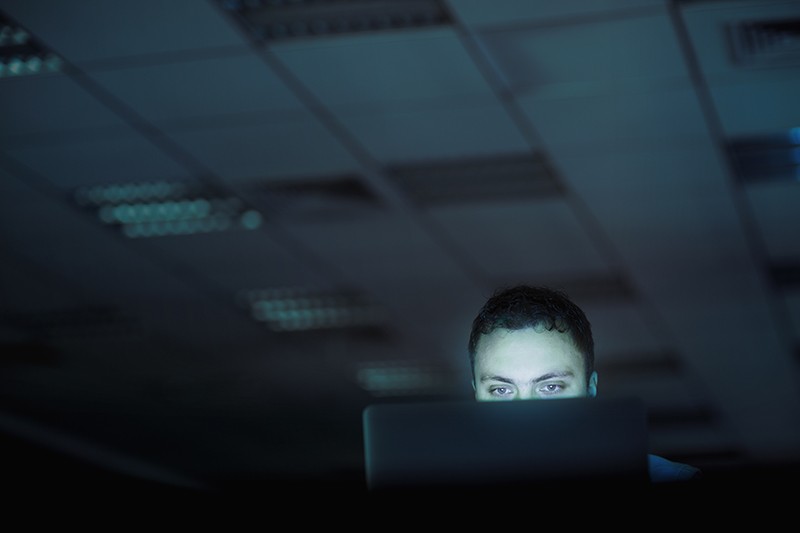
{"points": [[529, 343]]}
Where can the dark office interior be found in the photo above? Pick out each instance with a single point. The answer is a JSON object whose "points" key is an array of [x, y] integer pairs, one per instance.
{"points": [[229, 226]]}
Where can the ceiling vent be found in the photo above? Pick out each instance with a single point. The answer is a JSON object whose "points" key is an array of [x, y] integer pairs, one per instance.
{"points": [[766, 42], [766, 157], [342, 196], [507, 178], [598, 288], [785, 275], [272, 21]]}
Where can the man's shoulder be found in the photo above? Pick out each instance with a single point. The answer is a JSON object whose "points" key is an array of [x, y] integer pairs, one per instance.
{"points": [[663, 470]]}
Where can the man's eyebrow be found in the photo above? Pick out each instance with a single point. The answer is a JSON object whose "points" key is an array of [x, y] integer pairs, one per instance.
{"points": [[551, 375], [496, 378], [543, 377]]}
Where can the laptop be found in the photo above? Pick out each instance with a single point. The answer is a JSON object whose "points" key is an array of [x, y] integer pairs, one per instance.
{"points": [[466, 444]]}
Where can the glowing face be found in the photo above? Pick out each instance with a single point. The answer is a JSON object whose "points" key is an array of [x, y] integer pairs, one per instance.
{"points": [[529, 364]]}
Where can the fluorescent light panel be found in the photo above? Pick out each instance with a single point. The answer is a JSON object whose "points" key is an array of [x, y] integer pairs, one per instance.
{"points": [[157, 209], [301, 309], [21, 54], [281, 20], [400, 378]]}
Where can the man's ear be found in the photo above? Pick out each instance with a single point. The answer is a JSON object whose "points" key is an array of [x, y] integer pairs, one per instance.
{"points": [[592, 387]]}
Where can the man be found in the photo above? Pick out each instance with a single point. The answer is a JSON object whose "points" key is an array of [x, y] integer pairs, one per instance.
{"points": [[531, 343]]}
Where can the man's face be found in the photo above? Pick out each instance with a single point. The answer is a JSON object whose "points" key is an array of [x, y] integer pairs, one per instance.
{"points": [[529, 364]]}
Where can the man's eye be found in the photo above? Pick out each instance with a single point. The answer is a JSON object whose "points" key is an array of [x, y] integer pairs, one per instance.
{"points": [[551, 388], [500, 391]]}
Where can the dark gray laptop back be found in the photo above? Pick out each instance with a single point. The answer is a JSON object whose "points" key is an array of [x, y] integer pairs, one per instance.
{"points": [[470, 444]]}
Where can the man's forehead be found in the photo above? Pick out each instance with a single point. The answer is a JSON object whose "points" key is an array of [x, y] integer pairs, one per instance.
{"points": [[532, 336], [528, 350]]}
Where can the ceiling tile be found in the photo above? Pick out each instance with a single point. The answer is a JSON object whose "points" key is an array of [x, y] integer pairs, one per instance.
{"points": [[118, 156], [777, 217], [230, 84], [440, 131], [559, 56], [50, 104], [238, 260], [384, 249], [650, 173], [623, 330], [98, 30], [266, 147], [540, 239], [626, 120], [385, 68], [758, 106]]}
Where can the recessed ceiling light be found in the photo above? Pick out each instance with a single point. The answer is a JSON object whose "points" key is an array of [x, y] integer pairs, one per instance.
{"points": [[158, 209], [401, 378], [302, 309], [21, 54]]}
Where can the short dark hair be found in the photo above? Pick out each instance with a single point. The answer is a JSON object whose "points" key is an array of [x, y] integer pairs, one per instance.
{"points": [[525, 306]]}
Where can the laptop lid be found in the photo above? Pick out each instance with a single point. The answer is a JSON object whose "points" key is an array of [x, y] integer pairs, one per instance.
{"points": [[471, 444]]}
